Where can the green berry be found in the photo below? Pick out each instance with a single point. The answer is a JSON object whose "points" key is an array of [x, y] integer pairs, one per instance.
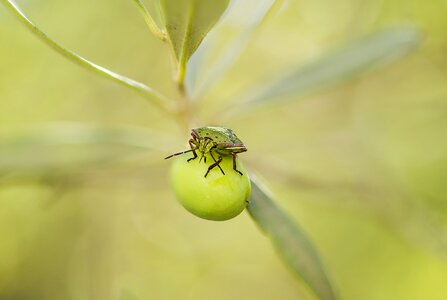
{"points": [[217, 197]]}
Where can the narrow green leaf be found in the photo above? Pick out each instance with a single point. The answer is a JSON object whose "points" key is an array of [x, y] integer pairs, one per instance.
{"points": [[62, 145], [148, 92], [187, 23], [150, 21], [290, 241], [224, 45], [377, 49]]}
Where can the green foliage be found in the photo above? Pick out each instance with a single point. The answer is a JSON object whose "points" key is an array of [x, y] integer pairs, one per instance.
{"points": [[148, 92], [61, 146], [152, 17], [364, 54], [185, 26], [290, 241], [187, 23], [202, 73]]}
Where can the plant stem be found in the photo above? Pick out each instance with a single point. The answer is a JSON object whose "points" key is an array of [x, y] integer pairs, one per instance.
{"points": [[184, 106], [181, 73], [185, 109]]}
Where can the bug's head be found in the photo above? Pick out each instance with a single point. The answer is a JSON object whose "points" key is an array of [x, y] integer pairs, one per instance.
{"points": [[203, 144]]}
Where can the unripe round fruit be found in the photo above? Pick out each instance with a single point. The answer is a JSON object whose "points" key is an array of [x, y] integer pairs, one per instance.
{"points": [[217, 197]]}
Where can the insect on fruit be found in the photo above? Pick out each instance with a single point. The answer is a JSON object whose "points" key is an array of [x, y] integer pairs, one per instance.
{"points": [[218, 141]]}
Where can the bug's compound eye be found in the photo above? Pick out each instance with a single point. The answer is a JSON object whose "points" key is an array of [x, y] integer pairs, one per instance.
{"points": [[215, 197]]}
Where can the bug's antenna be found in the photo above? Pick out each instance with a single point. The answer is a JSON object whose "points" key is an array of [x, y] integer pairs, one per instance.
{"points": [[179, 153]]}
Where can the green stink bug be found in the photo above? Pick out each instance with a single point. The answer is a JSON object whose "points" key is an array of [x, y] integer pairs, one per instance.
{"points": [[214, 140]]}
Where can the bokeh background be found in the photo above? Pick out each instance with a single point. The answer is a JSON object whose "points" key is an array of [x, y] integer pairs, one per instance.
{"points": [[361, 166]]}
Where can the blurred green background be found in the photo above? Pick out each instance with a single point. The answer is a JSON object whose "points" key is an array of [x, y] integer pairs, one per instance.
{"points": [[361, 166]]}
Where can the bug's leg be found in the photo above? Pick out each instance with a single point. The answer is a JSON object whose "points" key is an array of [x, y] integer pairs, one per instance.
{"points": [[234, 163], [216, 161], [213, 165], [207, 141], [195, 155], [193, 149]]}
